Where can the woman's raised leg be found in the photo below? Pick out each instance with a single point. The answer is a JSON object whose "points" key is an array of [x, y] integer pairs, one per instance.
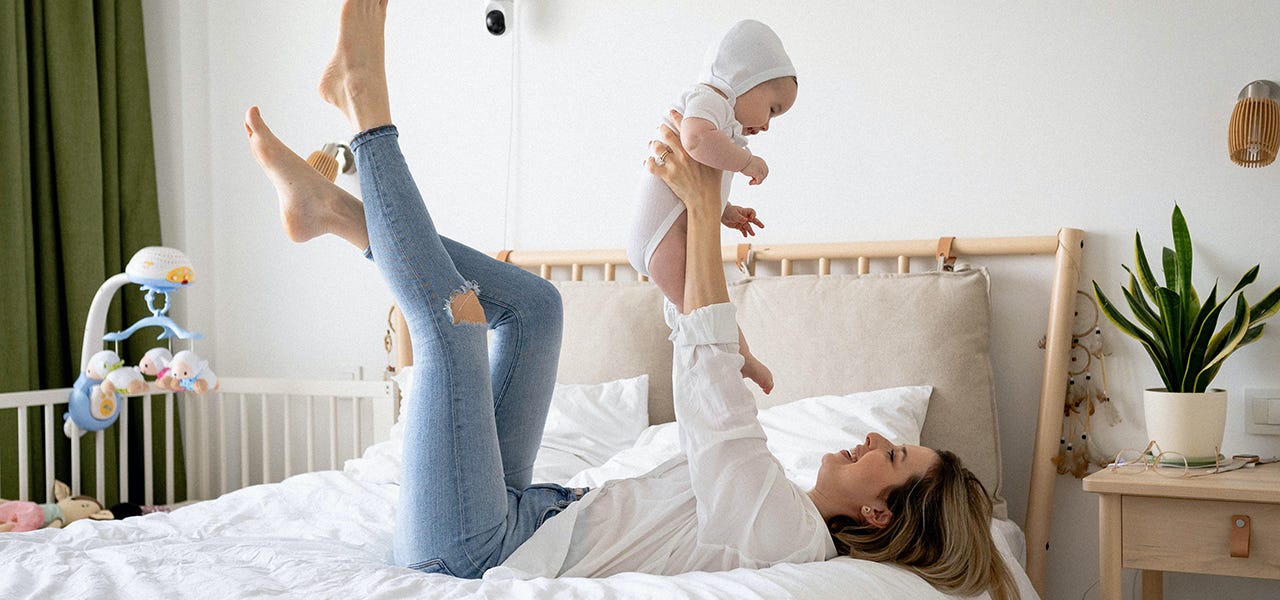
{"points": [[526, 317], [522, 310], [456, 514]]}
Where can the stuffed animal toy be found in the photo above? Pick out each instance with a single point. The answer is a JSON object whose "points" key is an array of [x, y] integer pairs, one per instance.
{"points": [[20, 515], [192, 374], [102, 363], [125, 378], [91, 407], [153, 364]]}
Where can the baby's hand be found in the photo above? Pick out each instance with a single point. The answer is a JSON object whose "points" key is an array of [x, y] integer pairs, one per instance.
{"points": [[740, 218], [756, 169]]}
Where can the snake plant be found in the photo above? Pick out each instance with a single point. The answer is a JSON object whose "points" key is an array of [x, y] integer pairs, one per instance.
{"points": [[1180, 333]]}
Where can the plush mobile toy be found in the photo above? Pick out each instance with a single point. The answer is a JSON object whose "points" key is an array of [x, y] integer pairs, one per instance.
{"points": [[155, 364], [188, 372], [95, 397]]}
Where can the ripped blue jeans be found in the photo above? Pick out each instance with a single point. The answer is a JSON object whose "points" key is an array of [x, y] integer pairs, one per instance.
{"points": [[477, 408]]}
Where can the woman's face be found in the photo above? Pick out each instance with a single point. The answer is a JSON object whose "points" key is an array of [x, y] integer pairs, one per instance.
{"points": [[864, 475], [759, 104]]}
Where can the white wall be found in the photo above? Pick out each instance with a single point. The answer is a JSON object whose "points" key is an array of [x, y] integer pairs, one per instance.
{"points": [[987, 118]]}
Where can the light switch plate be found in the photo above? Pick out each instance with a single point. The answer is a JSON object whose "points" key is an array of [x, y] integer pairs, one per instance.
{"points": [[1262, 411]]}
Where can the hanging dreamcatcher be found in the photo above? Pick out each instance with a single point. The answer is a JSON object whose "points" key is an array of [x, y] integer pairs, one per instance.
{"points": [[1086, 393]]}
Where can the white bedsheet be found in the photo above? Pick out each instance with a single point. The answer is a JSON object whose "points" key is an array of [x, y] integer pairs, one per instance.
{"points": [[328, 535]]}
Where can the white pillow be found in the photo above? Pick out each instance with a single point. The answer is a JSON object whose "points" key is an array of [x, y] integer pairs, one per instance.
{"points": [[596, 421], [799, 433], [586, 425]]}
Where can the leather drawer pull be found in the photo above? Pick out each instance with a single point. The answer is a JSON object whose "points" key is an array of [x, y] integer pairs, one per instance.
{"points": [[1239, 536]]}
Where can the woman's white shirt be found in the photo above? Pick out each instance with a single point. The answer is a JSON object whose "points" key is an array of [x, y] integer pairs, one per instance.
{"points": [[724, 504]]}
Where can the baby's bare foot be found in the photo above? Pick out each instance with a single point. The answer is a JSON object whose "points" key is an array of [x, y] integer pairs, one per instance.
{"points": [[755, 370], [355, 79], [306, 196]]}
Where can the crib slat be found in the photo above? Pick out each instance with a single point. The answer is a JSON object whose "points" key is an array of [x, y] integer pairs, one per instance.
{"points": [[48, 453], [311, 433], [75, 459], [206, 427], [355, 427], [266, 441], [123, 440], [148, 461], [576, 272], [904, 264], [785, 267], [222, 445], [641, 278], [864, 265], [333, 432], [169, 450], [824, 266], [206, 435], [100, 464], [608, 271], [544, 271], [244, 442], [24, 461], [187, 420], [288, 436]]}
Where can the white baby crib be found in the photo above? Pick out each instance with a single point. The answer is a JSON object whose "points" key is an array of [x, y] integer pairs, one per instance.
{"points": [[249, 431]]}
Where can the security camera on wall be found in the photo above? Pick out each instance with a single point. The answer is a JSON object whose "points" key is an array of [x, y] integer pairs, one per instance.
{"points": [[498, 16]]}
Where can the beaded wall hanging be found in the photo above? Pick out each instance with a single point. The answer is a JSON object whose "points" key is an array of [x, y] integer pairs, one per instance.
{"points": [[1086, 393]]}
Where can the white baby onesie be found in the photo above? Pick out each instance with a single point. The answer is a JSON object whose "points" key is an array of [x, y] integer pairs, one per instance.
{"points": [[658, 206], [748, 54]]}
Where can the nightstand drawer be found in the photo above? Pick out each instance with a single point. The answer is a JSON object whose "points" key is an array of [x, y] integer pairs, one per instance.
{"points": [[1168, 534]]}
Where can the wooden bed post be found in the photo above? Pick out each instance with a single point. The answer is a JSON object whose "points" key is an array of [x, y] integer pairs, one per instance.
{"points": [[1053, 388]]}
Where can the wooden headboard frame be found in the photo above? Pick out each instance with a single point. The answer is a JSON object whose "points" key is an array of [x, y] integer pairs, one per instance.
{"points": [[1067, 247]]}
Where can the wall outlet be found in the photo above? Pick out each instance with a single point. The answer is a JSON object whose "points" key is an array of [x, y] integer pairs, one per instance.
{"points": [[1262, 411]]}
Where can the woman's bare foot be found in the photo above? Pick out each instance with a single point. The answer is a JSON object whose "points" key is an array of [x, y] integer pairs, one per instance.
{"points": [[310, 204], [755, 370], [355, 79]]}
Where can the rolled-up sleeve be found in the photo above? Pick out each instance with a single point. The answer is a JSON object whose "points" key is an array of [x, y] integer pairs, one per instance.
{"points": [[744, 500]]}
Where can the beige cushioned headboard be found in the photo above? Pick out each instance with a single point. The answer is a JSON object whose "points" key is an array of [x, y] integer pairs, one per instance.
{"points": [[614, 330], [833, 334]]}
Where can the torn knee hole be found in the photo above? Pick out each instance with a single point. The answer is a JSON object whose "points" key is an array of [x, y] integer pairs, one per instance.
{"points": [[464, 307]]}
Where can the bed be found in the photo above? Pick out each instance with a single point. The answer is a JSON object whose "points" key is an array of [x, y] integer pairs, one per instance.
{"points": [[901, 351]]}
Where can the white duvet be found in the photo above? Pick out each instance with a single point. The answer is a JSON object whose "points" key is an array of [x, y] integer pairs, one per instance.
{"points": [[328, 535]]}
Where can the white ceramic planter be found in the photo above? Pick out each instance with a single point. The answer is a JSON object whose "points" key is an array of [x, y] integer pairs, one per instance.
{"points": [[1192, 424]]}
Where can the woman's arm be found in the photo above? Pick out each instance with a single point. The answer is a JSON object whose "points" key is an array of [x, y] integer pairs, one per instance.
{"points": [[744, 500]]}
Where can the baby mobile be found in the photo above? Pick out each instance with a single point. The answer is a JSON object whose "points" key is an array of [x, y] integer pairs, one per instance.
{"points": [[96, 395], [1086, 393]]}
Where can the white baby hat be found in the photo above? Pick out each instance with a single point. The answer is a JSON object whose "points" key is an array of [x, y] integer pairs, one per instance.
{"points": [[749, 54]]}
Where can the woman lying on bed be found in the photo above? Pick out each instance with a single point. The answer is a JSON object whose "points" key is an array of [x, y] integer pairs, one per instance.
{"points": [[467, 507]]}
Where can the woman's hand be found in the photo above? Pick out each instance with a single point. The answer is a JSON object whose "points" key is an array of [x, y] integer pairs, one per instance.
{"points": [[698, 187], [695, 184]]}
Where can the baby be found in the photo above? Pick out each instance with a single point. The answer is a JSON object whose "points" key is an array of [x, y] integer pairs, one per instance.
{"points": [[747, 80]]}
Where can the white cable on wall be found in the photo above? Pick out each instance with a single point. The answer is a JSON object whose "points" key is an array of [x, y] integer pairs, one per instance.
{"points": [[513, 133]]}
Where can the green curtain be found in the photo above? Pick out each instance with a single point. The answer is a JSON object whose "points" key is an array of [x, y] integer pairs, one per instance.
{"points": [[77, 199]]}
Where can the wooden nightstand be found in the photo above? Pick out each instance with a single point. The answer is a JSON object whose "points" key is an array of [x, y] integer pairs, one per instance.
{"points": [[1157, 524]]}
